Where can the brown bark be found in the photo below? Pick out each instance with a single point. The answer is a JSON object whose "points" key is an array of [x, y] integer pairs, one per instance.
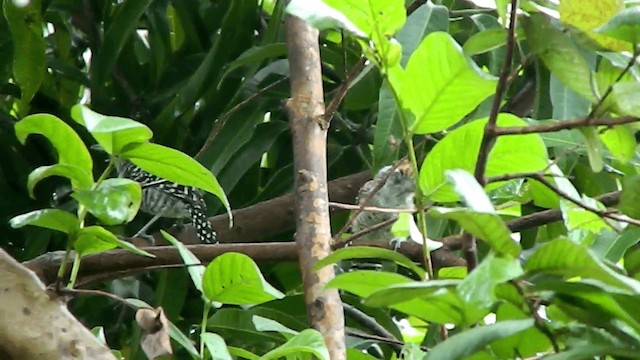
{"points": [[313, 230]]}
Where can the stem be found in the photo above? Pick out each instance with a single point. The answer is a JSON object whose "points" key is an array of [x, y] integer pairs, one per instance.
{"points": [[74, 270], [203, 326]]}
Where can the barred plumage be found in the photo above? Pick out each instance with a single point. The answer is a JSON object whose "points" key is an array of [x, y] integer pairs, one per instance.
{"points": [[397, 192], [163, 198]]}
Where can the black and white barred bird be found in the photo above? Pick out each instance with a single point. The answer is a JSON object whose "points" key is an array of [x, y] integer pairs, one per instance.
{"points": [[163, 198]]}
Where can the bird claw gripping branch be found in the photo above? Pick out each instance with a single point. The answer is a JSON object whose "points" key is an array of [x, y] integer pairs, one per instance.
{"points": [[162, 198]]}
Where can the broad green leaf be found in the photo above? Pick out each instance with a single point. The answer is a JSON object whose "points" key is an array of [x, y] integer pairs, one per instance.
{"points": [[123, 24], [464, 344], [436, 74], [177, 167], [111, 132], [592, 351], [322, 16], [433, 301], [235, 323], [196, 272], [525, 343], [265, 324], [234, 278], [115, 201], [216, 346], [365, 252], [622, 243], [485, 41], [309, 341], [488, 227], [80, 178], [96, 239], [70, 148], [25, 24], [560, 55], [627, 96], [510, 154], [630, 196], [174, 331], [479, 286], [587, 15], [470, 191], [624, 25], [566, 258], [567, 104], [578, 218], [53, 219], [426, 19], [620, 141], [388, 132]]}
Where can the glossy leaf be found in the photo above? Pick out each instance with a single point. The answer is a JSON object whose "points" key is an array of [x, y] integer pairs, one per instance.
{"points": [[587, 15], [216, 346], [234, 278], [115, 201], [624, 25], [53, 219], [111, 132], [479, 286], [630, 196], [80, 178], [620, 141], [437, 74], [196, 272], [626, 94], [467, 343], [309, 341], [70, 148], [175, 166], [96, 239], [485, 41], [566, 258], [25, 23], [322, 16], [511, 154], [559, 54]]}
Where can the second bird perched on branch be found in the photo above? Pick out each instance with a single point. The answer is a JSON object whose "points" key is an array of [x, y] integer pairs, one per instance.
{"points": [[162, 198]]}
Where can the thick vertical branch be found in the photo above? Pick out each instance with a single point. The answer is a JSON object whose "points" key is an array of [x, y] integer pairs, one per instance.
{"points": [[313, 231]]}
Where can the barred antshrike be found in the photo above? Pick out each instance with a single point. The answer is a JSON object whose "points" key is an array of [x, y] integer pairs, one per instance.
{"points": [[163, 198]]}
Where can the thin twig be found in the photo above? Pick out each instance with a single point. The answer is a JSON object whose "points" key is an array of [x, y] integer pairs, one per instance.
{"points": [[379, 332], [524, 175], [564, 125], [538, 320], [632, 61], [337, 242]]}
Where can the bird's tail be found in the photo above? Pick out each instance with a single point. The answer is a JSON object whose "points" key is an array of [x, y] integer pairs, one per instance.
{"points": [[206, 234]]}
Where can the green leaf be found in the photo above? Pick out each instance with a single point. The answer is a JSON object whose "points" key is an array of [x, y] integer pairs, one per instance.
{"points": [[265, 324], [322, 16], [96, 239], [485, 41], [255, 55], [479, 287], [620, 141], [468, 342], [196, 272], [488, 227], [234, 278], [80, 178], [622, 243], [309, 341], [567, 104], [25, 23], [510, 154], [470, 191], [240, 353], [365, 252], [399, 293], [111, 132], [560, 55], [115, 201], [627, 96], [594, 148], [388, 132], [376, 19], [436, 76], [216, 346], [624, 26], [566, 258], [578, 218], [53, 219], [175, 166], [630, 196], [70, 148], [123, 25], [583, 17]]}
